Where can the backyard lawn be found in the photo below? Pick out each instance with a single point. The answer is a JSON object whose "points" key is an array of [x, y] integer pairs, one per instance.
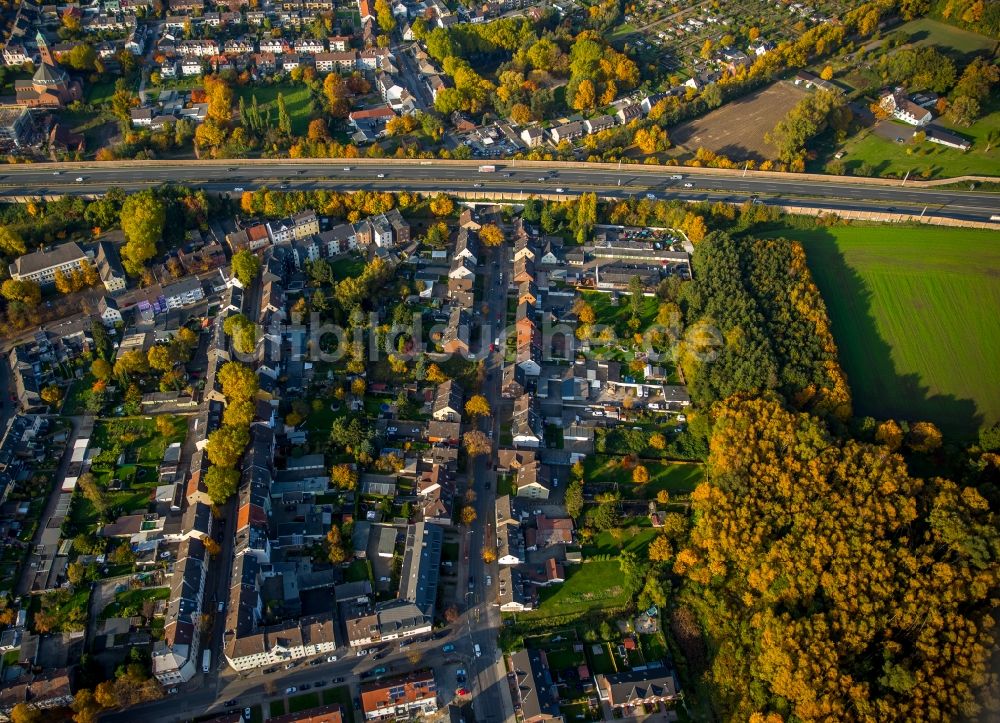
{"points": [[138, 443], [634, 538], [617, 316], [342, 695], [303, 702], [129, 602], [296, 101], [591, 586], [674, 477], [913, 311]]}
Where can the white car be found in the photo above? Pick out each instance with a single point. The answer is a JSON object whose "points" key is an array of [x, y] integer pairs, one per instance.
{"points": [[362, 652], [347, 168], [332, 659], [676, 178], [688, 185], [477, 185], [651, 196], [559, 190], [56, 173], [381, 175], [238, 189], [489, 581], [290, 689], [79, 179]]}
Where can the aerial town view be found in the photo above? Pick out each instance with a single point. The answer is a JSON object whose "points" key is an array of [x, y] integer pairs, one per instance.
{"points": [[507, 361]]}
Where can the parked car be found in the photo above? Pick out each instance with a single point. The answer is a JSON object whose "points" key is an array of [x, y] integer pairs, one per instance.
{"points": [[449, 648], [332, 659], [246, 714], [291, 689]]}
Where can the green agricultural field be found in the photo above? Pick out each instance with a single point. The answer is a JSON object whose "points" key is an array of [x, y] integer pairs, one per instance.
{"points": [[914, 315], [589, 587], [956, 42], [296, 101]]}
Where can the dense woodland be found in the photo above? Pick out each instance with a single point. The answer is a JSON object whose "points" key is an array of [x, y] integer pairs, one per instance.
{"points": [[766, 323], [832, 583]]}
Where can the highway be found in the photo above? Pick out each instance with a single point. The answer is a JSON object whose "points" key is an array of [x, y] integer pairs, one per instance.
{"points": [[512, 178]]}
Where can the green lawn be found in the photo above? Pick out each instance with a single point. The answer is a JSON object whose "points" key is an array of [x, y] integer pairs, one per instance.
{"points": [[618, 316], [351, 266], [342, 695], [929, 160], [357, 571], [129, 602], [634, 538], [296, 101], [588, 587], [947, 38], [675, 477], [914, 315], [276, 708], [303, 702]]}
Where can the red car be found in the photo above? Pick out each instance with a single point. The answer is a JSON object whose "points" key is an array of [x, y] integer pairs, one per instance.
{"points": [[462, 691]]}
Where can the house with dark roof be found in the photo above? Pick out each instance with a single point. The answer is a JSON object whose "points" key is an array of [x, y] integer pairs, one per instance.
{"points": [[624, 692], [448, 402], [537, 692]]}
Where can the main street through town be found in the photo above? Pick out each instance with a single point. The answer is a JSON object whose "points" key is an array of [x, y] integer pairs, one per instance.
{"points": [[512, 179]]}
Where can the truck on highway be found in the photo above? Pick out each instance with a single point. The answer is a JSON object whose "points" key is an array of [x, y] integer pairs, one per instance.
{"points": [[487, 169], [206, 661]]}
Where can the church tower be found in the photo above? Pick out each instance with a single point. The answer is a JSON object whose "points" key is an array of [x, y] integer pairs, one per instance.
{"points": [[43, 49]]}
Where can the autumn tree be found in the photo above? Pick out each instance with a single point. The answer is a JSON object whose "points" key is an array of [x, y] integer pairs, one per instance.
{"points": [[909, 583], [239, 413], [640, 474], [890, 434], [11, 243], [477, 406], [212, 547], [442, 205], [476, 443], [826, 73], [92, 491], [491, 235], [489, 555], [25, 713], [660, 549], [242, 331], [238, 381], [468, 515], [335, 551], [225, 445], [384, 17], [344, 476], [23, 290], [51, 394], [924, 437], [585, 97], [435, 375]]}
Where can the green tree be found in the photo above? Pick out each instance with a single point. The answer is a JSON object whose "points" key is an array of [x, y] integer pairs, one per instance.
{"points": [[221, 483], [246, 266], [226, 444], [143, 216], [11, 243], [284, 120], [242, 331], [574, 499]]}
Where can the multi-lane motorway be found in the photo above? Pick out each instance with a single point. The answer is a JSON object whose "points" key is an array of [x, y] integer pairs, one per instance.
{"points": [[510, 178]]}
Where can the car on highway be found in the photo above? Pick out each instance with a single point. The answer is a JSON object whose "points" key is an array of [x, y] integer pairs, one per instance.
{"points": [[238, 189], [477, 185], [559, 190], [381, 175], [676, 177], [79, 179], [651, 196], [688, 185], [291, 689], [56, 173], [283, 185], [449, 648]]}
